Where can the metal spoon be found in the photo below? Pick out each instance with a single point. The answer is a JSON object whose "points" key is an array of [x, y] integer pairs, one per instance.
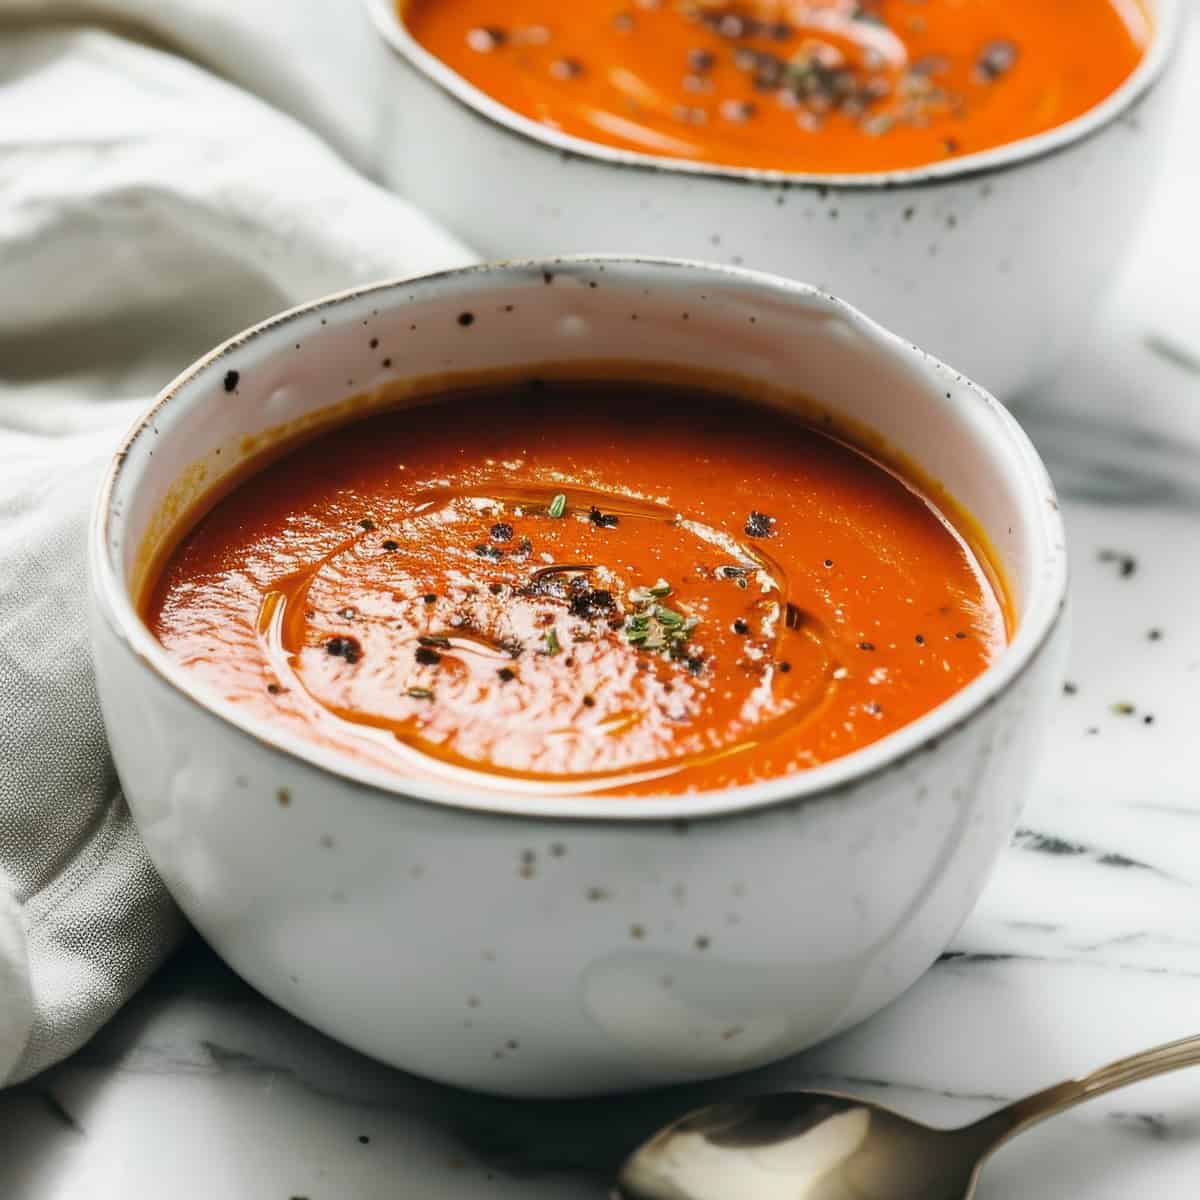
{"points": [[817, 1146]]}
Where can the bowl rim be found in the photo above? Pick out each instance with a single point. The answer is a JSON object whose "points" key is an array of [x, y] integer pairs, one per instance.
{"points": [[1166, 25], [1046, 602]]}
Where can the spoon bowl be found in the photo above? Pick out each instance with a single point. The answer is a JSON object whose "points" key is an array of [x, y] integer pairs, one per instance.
{"points": [[804, 1146], [822, 1146]]}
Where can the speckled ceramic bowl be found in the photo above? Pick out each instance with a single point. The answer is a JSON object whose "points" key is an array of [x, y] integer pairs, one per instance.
{"points": [[557, 945], [994, 261]]}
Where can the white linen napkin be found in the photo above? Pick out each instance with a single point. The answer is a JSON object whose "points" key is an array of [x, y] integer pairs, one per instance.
{"points": [[150, 206]]}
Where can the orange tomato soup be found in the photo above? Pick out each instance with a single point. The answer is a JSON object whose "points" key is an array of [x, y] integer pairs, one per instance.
{"points": [[580, 587], [831, 86]]}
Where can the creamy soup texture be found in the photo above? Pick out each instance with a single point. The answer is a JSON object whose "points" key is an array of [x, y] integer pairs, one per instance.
{"points": [[580, 587]]}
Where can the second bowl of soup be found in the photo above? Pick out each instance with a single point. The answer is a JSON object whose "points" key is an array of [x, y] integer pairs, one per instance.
{"points": [[972, 173]]}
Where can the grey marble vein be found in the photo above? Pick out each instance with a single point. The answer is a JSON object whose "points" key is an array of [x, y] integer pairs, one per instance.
{"points": [[1169, 350], [58, 1110], [1042, 843], [1098, 460]]}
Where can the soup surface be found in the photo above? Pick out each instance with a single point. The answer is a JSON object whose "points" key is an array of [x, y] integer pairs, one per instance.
{"points": [[580, 587], [837, 86]]}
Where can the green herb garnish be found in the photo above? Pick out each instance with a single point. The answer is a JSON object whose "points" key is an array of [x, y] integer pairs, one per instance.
{"points": [[654, 626], [668, 616], [553, 646], [420, 693], [558, 506]]}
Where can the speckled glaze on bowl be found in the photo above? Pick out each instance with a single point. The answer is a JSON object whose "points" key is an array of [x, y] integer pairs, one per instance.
{"points": [[995, 261], [537, 945]]}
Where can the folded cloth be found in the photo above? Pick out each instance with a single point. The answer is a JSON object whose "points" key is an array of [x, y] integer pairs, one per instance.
{"points": [[16, 1000], [149, 207]]}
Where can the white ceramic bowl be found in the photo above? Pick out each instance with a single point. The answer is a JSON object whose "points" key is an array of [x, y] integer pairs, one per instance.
{"points": [[993, 261], [653, 940]]}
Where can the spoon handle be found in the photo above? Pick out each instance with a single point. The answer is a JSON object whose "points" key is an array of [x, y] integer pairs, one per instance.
{"points": [[1019, 1116]]}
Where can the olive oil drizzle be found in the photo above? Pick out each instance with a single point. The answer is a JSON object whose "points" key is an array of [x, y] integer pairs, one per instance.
{"points": [[284, 633]]}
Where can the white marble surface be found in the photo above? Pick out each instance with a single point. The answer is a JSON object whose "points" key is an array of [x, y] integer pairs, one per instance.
{"points": [[1085, 946]]}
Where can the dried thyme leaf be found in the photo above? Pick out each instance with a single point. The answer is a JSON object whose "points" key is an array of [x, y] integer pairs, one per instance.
{"points": [[655, 626]]}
